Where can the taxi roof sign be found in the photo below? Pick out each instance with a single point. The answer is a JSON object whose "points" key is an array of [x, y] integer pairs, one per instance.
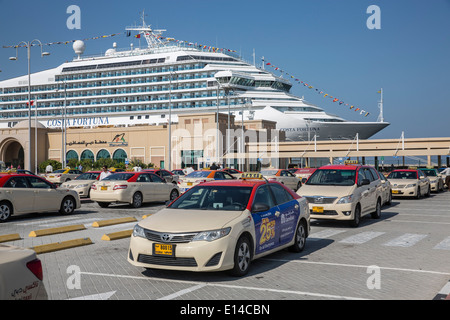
{"points": [[351, 162], [251, 176]]}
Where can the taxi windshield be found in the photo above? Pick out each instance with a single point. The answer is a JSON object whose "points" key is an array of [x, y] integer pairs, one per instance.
{"points": [[430, 172], [332, 177], [88, 176], [198, 174], [402, 175], [268, 172], [228, 198]]}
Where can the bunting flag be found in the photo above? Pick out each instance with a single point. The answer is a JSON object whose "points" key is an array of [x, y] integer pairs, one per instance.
{"points": [[67, 42], [325, 95]]}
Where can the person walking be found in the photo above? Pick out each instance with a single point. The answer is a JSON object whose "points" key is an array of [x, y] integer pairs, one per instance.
{"points": [[104, 173], [214, 166]]}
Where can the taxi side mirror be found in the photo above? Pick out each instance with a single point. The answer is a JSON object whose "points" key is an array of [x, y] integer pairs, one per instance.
{"points": [[364, 182], [260, 207]]}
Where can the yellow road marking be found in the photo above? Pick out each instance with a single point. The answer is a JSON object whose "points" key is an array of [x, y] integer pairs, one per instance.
{"points": [[61, 245], [46, 232], [10, 237], [103, 223], [117, 235]]}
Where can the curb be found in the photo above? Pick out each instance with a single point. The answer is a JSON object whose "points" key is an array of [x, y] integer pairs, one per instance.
{"points": [[51, 247], [10, 237], [117, 235], [46, 232], [102, 223]]}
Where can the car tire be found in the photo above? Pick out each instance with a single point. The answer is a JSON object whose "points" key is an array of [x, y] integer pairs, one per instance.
{"points": [[242, 257], [6, 211], [67, 206], [300, 238], [377, 213], [298, 186], [418, 195], [354, 223], [103, 204], [428, 192], [389, 202], [174, 194], [137, 200]]}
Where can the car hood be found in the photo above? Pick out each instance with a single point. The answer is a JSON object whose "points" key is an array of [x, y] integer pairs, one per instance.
{"points": [[326, 191], [180, 220]]}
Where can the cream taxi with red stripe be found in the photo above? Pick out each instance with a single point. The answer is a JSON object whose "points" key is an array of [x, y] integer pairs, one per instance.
{"points": [[222, 225]]}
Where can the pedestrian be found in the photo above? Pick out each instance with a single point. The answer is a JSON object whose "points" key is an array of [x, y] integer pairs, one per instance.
{"points": [[104, 173], [49, 168], [214, 166]]}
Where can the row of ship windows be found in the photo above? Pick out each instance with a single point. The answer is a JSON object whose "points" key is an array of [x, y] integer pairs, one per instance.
{"points": [[61, 78], [128, 90], [98, 110]]}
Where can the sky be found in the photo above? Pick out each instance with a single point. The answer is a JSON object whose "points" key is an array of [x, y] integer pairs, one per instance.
{"points": [[325, 43]]}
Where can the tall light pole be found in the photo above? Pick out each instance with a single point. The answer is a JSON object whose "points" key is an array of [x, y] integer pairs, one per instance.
{"points": [[170, 119], [28, 45]]}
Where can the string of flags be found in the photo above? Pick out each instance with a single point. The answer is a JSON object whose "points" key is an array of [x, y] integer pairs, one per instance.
{"points": [[65, 42], [321, 92]]}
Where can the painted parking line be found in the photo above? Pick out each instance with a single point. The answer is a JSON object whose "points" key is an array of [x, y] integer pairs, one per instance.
{"points": [[324, 234], [443, 245], [182, 292], [198, 285], [405, 240], [362, 237]]}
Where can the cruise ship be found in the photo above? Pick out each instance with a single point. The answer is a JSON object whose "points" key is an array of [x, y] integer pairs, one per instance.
{"points": [[135, 86]]}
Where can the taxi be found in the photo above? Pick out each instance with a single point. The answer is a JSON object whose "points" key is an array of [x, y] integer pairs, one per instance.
{"points": [[234, 172], [303, 173], [82, 184], [283, 176], [201, 176], [165, 174], [222, 225], [343, 192], [62, 175], [21, 274], [409, 183], [436, 180], [25, 193], [386, 190], [134, 188]]}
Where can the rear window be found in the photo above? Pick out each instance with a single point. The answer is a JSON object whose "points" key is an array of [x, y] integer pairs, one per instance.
{"points": [[88, 176], [119, 176], [198, 174]]}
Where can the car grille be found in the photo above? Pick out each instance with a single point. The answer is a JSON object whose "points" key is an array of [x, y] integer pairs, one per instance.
{"points": [[167, 261], [320, 199], [169, 237]]}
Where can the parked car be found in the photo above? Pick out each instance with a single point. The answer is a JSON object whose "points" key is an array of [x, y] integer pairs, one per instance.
{"points": [[283, 176], [62, 175], [82, 184], [201, 176], [24, 193], [134, 188], [21, 274], [409, 183], [222, 225]]}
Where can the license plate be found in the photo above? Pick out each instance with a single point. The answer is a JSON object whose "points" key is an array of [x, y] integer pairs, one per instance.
{"points": [[189, 183], [395, 191], [317, 209], [51, 176], [161, 249], [104, 188]]}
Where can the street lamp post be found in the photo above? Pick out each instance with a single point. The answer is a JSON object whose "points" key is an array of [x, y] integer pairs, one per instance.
{"points": [[28, 46]]}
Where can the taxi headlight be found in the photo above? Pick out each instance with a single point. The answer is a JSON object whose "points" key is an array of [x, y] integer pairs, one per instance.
{"points": [[212, 235], [138, 231], [411, 185], [346, 199]]}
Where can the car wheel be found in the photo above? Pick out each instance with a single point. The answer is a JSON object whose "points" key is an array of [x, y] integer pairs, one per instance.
{"points": [[67, 206], [5, 211], [300, 238], [418, 193], [428, 192], [357, 218], [174, 194], [377, 213], [242, 257], [103, 204], [137, 200], [389, 202]]}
